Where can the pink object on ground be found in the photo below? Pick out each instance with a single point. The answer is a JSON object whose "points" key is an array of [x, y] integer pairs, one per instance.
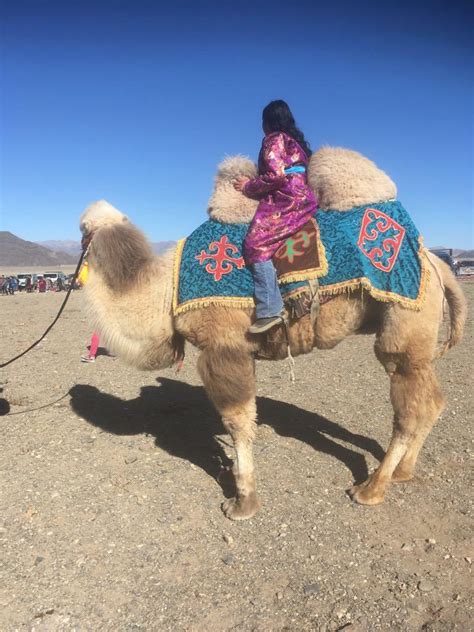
{"points": [[94, 345]]}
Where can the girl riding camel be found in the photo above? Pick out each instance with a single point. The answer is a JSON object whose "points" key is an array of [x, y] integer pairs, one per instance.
{"points": [[286, 203]]}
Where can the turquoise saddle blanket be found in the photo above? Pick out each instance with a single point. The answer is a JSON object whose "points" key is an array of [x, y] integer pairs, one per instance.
{"points": [[377, 247]]}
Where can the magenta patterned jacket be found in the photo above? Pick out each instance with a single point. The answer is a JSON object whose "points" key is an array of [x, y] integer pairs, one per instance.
{"points": [[286, 201]]}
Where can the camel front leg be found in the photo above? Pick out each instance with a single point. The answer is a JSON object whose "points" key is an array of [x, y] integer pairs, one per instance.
{"points": [[228, 376], [240, 423]]}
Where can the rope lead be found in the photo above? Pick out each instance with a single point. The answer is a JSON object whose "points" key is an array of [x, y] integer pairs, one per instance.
{"points": [[290, 359]]}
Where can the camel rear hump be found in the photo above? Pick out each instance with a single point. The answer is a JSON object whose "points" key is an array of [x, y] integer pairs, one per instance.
{"points": [[343, 178]]}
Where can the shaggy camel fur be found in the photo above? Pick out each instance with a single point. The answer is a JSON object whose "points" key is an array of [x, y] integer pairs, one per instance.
{"points": [[129, 295], [342, 179]]}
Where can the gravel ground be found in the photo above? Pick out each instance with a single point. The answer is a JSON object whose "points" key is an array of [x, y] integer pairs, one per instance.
{"points": [[110, 515]]}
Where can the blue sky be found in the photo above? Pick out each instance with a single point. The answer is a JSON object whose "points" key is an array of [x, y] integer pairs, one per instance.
{"points": [[138, 101]]}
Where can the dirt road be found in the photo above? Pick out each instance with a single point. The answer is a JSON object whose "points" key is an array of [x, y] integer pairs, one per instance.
{"points": [[110, 515]]}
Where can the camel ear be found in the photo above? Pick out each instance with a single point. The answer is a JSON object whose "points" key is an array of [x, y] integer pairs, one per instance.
{"points": [[125, 219]]}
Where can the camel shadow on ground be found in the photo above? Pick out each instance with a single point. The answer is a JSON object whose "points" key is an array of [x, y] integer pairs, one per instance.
{"points": [[183, 422], [4, 405]]}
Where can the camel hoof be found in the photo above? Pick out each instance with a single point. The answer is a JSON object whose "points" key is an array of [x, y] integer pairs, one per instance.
{"points": [[365, 495], [241, 508], [402, 477]]}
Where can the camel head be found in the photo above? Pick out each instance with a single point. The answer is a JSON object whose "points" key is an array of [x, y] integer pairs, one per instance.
{"points": [[342, 179], [96, 216], [118, 250], [226, 204]]}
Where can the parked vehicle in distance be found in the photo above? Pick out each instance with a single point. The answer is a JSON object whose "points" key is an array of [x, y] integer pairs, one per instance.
{"points": [[53, 276], [466, 267], [22, 279]]}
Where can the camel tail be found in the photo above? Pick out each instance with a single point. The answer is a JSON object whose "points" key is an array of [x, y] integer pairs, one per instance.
{"points": [[457, 305]]}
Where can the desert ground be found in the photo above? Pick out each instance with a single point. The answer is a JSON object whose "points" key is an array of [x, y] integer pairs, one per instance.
{"points": [[110, 503]]}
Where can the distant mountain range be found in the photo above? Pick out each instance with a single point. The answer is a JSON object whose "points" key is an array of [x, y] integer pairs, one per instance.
{"points": [[15, 251], [74, 247], [161, 246], [18, 252], [70, 247]]}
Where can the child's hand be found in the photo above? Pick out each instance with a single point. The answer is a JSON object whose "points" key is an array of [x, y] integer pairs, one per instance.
{"points": [[239, 183]]}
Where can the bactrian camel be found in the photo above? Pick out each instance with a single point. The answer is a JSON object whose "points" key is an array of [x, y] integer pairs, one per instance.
{"points": [[129, 297]]}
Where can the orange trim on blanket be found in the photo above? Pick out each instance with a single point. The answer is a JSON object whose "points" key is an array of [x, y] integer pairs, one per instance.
{"points": [[234, 302], [176, 268], [298, 291]]}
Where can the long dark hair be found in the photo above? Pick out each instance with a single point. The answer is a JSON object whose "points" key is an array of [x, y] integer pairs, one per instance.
{"points": [[277, 117]]}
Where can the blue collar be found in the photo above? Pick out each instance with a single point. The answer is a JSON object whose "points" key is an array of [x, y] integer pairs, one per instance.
{"points": [[295, 169]]}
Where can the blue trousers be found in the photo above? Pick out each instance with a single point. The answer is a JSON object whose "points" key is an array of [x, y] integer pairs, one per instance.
{"points": [[267, 293]]}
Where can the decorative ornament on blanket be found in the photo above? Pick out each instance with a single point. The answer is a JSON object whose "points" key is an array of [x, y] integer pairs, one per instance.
{"points": [[376, 247], [222, 257], [380, 239], [210, 269]]}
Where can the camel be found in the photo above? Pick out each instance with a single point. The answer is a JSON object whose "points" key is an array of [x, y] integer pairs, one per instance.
{"points": [[129, 298]]}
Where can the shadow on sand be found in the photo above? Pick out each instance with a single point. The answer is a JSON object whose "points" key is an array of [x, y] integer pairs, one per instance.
{"points": [[4, 405], [184, 423]]}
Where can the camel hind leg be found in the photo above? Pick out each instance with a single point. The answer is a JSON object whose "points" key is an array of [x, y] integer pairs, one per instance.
{"points": [[417, 403], [228, 376], [406, 347], [427, 409]]}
